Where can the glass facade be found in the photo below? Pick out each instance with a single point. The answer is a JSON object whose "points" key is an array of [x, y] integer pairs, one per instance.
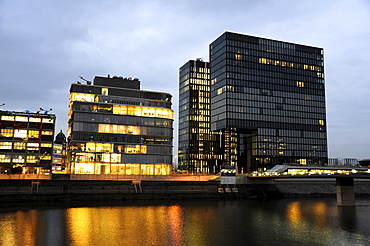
{"points": [[198, 146], [26, 142], [268, 101], [116, 128]]}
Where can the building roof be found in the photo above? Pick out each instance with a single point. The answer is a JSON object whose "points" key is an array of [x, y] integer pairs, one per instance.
{"points": [[60, 138]]}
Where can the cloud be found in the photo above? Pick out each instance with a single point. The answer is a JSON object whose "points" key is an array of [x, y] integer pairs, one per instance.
{"points": [[46, 45]]}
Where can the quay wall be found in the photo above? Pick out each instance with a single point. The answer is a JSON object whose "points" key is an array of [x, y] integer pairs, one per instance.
{"points": [[60, 191]]}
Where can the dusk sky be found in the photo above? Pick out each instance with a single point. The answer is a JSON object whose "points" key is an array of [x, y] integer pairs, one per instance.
{"points": [[46, 45]]}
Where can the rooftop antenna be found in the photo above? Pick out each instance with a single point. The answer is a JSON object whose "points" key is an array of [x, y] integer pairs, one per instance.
{"points": [[87, 81]]}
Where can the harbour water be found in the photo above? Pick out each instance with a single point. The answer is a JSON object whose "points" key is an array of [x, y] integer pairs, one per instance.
{"points": [[313, 221]]}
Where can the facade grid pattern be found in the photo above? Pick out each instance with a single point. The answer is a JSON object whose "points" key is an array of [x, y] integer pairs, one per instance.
{"points": [[272, 94], [198, 146], [116, 128]]}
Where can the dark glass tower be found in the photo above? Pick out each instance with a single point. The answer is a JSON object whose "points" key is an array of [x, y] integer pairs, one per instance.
{"points": [[198, 146], [268, 101]]}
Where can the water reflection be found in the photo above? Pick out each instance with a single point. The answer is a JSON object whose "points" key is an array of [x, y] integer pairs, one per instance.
{"points": [[283, 222]]}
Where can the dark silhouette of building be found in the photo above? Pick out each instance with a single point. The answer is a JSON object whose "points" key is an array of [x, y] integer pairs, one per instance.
{"points": [[199, 148], [268, 102], [116, 128]]}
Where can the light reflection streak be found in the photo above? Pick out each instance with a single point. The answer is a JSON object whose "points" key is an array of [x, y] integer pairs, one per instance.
{"points": [[175, 223], [294, 213]]}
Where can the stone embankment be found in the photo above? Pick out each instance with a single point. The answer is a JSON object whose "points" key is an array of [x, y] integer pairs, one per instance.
{"points": [[68, 191]]}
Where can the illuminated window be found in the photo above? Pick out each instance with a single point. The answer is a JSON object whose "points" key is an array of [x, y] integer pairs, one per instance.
{"points": [[46, 145], [20, 133], [18, 159], [45, 157], [33, 119], [104, 91], [33, 146], [106, 157], [302, 161], [149, 112], [7, 132], [135, 149], [7, 118], [47, 120], [164, 113], [5, 158], [120, 129], [238, 56], [134, 111], [47, 133], [104, 147], [33, 134], [19, 145], [21, 118], [115, 158], [31, 159], [262, 60], [300, 84], [143, 111], [322, 122], [5, 145], [82, 97], [120, 109]]}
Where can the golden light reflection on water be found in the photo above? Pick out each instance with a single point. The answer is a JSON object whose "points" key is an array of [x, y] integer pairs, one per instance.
{"points": [[188, 223], [9, 229], [294, 213], [318, 213], [131, 225], [175, 223]]}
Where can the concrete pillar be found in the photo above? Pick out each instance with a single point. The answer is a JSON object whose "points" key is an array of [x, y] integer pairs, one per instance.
{"points": [[345, 191]]}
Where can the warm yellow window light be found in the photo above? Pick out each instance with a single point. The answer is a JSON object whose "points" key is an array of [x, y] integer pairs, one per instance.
{"points": [[104, 91], [82, 97], [7, 118], [135, 149], [21, 118]]}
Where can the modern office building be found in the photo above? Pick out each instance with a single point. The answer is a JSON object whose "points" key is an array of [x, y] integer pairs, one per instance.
{"points": [[268, 102], [350, 161], [116, 128], [26, 142], [333, 161], [199, 148]]}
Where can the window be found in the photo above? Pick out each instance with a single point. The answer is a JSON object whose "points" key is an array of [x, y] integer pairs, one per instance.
{"points": [[135, 149], [20, 133], [33, 134], [7, 132], [21, 118], [5, 145], [19, 145], [300, 84], [104, 91]]}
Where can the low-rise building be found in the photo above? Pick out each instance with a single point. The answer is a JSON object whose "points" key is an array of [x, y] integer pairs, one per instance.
{"points": [[26, 142]]}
